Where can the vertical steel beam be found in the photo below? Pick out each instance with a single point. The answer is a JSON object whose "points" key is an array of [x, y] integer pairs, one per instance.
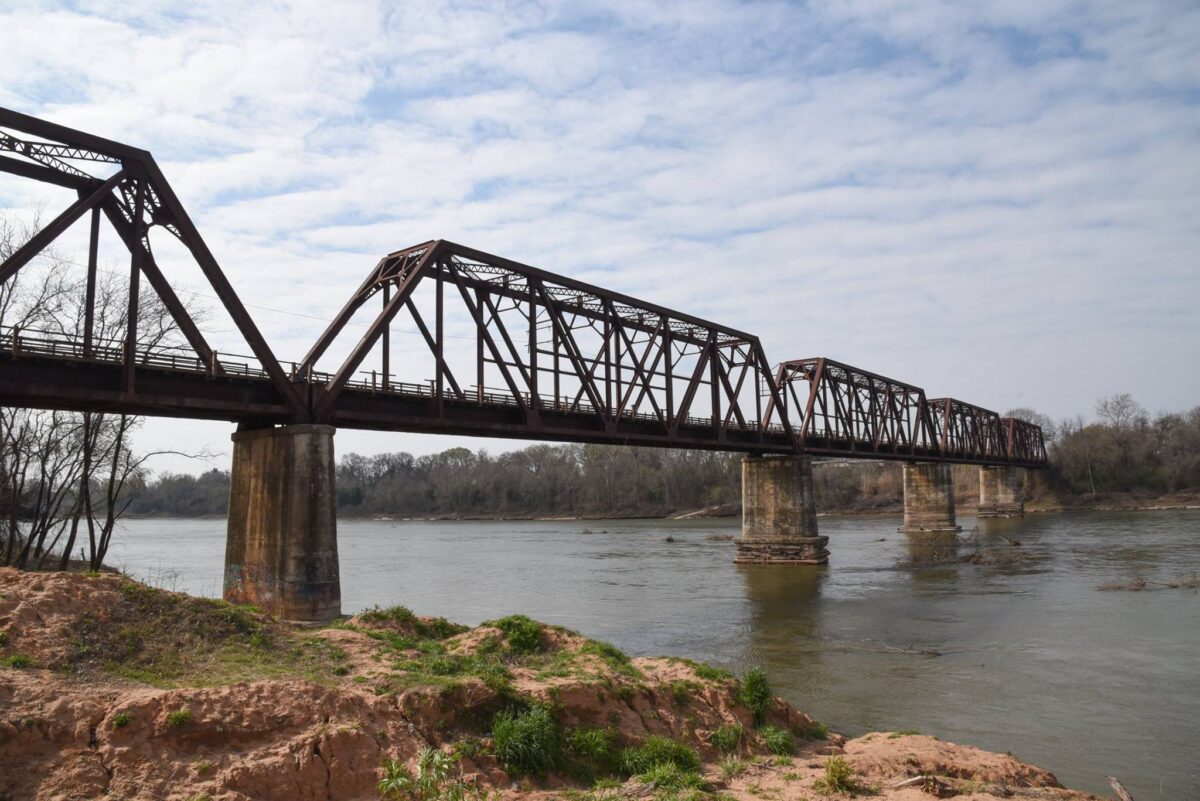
{"points": [[89, 297], [135, 273], [387, 337], [535, 400], [439, 352]]}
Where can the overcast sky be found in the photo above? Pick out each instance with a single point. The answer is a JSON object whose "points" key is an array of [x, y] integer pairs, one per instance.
{"points": [[1001, 205]]}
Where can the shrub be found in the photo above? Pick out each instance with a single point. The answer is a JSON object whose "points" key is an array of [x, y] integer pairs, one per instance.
{"points": [[391, 614], [727, 738], [839, 779], [524, 634], [121, 720], [658, 750], [180, 717], [778, 741], [755, 694], [18, 661], [527, 741], [3, 638]]}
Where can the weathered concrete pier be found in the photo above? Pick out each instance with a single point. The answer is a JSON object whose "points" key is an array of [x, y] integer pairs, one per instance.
{"points": [[1001, 491], [929, 498], [281, 551], [779, 514]]}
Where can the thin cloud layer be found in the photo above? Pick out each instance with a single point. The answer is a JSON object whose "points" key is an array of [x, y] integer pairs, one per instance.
{"points": [[995, 203]]}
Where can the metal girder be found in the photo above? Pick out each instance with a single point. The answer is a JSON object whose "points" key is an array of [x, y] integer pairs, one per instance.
{"points": [[135, 199]]}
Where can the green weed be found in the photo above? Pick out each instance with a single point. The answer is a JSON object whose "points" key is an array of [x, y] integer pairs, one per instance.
{"points": [[435, 779]]}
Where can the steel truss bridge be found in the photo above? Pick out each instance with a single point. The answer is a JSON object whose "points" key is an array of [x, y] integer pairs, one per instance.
{"points": [[549, 357]]}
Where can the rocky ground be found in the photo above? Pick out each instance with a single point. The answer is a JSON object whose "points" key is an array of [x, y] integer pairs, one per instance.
{"points": [[111, 689]]}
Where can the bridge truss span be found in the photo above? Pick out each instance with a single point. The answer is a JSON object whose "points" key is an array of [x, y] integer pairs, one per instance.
{"points": [[550, 357], [490, 347]]}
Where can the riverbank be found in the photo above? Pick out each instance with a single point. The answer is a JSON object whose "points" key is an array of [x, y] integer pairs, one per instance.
{"points": [[112, 687]]}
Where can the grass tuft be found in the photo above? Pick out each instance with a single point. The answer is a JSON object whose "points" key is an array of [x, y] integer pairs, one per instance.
{"points": [[755, 694], [839, 779], [669, 776], [18, 661], [727, 738], [180, 717], [658, 750], [527, 741], [817, 731], [121, 720], [778, 741], [593, 753], [732, 767], [524, 635]]}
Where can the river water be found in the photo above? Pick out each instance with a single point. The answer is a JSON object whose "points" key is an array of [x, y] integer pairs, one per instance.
{"points": [[1027, 656]]}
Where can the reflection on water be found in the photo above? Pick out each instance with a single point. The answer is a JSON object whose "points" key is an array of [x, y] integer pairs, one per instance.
{"points": [[1002, 640]]}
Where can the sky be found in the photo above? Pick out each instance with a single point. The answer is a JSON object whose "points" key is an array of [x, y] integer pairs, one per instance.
{"points": [[998, 202]]}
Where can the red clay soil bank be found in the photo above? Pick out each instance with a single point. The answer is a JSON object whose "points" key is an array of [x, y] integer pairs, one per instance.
{"points": [[319, 727]]}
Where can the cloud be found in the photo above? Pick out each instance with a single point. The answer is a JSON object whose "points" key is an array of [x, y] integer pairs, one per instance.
{"points": [[998, 203]]}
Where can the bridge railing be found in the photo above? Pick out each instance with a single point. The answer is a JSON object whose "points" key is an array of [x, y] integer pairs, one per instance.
{"points": [[17, 342], [374, 382]]}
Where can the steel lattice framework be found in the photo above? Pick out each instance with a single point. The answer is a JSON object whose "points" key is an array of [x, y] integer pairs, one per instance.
{"points": [[552, 358]]}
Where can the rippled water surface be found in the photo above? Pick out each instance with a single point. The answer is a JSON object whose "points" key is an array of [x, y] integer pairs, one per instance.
{"points": [[1028, 657]]}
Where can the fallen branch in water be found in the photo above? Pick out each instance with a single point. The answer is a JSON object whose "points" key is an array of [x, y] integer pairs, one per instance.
{"points": [[1119, 788], [1138, 584]]}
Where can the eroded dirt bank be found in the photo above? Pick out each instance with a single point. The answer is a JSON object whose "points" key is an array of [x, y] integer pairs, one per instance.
{"points": [[111, 689]]}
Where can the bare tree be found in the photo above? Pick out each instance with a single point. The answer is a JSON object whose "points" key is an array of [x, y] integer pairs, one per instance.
{"points": [[1121, 411], [64, 472]]}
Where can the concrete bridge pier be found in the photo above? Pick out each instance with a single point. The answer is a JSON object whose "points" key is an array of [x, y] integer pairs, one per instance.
{"points": [[929, 498], [281, 550], [779, 516], [1001, 491]]}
